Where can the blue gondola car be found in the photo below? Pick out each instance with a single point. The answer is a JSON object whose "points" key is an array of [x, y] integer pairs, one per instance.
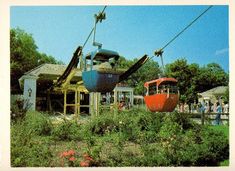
{"points": [[100, 73]]}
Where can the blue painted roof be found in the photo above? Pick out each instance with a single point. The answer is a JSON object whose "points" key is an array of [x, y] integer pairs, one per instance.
{"points": [[102, 55]]}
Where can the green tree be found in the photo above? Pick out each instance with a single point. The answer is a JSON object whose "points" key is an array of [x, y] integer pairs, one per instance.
{"points": [[210, 76], [124, 63], [24, 56], [226, 96], [192, 79], [186, 75], [149, 71]]}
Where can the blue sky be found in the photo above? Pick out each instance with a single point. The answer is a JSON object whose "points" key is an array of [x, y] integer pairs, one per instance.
{"points": [[130, 30]]}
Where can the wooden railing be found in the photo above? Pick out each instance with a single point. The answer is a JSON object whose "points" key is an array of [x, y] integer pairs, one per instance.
{"points": [[205, 117]]}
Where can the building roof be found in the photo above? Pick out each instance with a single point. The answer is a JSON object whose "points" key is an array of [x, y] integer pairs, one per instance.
{"points": [[48, 72], [220, 90], [48, 69]]}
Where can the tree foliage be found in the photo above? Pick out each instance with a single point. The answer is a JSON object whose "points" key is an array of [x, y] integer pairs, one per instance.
{"points": [[226, 96], [149, 71], [192, 79], [24, 56], [210, 76], [186, 76]]}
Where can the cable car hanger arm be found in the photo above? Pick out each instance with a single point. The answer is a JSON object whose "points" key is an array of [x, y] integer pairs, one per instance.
{"points": [[102, 12]]}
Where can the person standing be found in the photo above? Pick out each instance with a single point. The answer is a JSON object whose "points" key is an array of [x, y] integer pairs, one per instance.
{"points": [[218, 115], [215, 107], [202, 110], [226, 108], [203, 107]]}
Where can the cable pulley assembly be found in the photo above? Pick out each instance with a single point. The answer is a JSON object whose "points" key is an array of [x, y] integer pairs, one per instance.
{"points": [[100, 16]]}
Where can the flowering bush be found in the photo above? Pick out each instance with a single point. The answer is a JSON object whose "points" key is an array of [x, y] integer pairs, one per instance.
{"points": [[159, 140], [71, 158], [131, 138], [67, 130], [87, 160], [67, 157]]}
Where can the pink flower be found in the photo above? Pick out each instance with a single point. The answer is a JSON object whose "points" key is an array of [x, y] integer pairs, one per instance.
{"points": [[72, 159], [65, 154], [88, 158], [71, 152], [84, 164]]}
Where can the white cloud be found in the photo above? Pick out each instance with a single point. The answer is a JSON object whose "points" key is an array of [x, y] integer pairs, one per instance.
{"points": [[221, 51]]}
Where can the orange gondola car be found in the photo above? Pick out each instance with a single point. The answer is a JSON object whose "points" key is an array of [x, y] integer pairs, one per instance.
{"points": [[162, 95]]}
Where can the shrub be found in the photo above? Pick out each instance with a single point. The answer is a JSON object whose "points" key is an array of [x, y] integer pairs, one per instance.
{"points": [[18, 110], [131, 138], [149, 121], [67, 130], [102, 124], [183, 119], [26, 149], [113, 151], [38, 123], [214, 147]]}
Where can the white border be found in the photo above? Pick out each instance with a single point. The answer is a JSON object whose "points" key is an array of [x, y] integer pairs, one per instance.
{"points": [[5, 71]]}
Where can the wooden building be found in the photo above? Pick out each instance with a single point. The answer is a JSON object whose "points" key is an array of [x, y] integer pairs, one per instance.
{"points": [[71, 96]]}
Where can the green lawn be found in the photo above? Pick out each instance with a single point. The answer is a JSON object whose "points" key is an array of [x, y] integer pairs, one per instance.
{"points": [[224, 163], [225, 130], [222, 128]]}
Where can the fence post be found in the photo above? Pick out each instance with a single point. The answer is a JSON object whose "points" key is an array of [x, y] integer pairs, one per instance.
{"points": [[203, 117]]}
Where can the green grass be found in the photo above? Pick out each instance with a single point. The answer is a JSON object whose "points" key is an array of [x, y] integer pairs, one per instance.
{"points": [[224, 163], [225, 130], [222, 128]]}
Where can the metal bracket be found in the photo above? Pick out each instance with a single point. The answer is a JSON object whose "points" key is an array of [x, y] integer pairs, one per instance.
{"points": [[98, 18], [159, 53]]}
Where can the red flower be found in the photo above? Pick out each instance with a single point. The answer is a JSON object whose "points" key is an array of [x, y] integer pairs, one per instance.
{"points": [[72, 159], [84, 164], [85, 155], [65, 154], [88, 158], [71, 152]]}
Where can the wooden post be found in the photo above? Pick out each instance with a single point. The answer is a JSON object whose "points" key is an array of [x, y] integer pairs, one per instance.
{"points": [[115, 97], [95, 104], [76, 103], [132, 98], [97, 100], [79, 102], [65, 101], [108, 98], [115, 101], [49, 102], [202, 117], [91, 105]]}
